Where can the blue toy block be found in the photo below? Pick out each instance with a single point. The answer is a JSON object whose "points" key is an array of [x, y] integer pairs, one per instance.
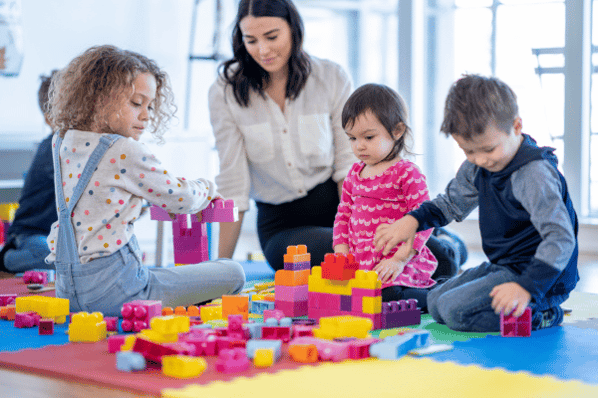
{"points": [[258, 307], [253, 345], [255, 329], [128, 361], [395, 347]]}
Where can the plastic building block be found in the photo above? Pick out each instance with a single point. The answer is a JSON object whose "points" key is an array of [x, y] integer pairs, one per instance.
{"points": [[304, 353], [115, 343], [111, 323], [297, 258], [302, 330], [129, 343], [258, 307], [320, 285], [46, 326], [276, 333], [220, 211], [166, 329], [366, 280], [210, 312], [6, 299], [343, 326], [327, 350], [153, 351], [400, 313], [138, 314], [292, 308], [26, 319], [395, 347], [192, 310], [510, 326], [35, 277], [264, 358], [128, 361], [291, 293], [8, 312], [278, 314], [87, 328], [47, 307], [291, 278], [232, 305], [371, 305], [235, 328], [180, 310], [167, 311], [254, 345], [232, 360], [339, 266], [204, 342], [183, 367], [360, 348]]}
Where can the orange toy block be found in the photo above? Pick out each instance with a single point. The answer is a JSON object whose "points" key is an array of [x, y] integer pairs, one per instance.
{"points": [[291, 278], [167, 311], [338, 266], [9, 312], [232, 305], [305, 353], [297, 254]]}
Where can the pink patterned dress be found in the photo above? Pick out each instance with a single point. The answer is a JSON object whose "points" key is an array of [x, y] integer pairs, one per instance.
{"points": [[382, 199]]}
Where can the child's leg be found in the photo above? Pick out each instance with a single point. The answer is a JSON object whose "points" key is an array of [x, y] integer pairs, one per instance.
{"points": [[467, 306], [29, 253]]}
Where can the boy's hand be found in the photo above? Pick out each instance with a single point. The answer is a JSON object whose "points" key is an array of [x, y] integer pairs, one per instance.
{"points": [[342, 248], [389, 235], [508, 297], [389, 269]]}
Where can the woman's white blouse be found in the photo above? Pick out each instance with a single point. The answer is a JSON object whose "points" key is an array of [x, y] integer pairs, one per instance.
{"points": [[276, 157]]}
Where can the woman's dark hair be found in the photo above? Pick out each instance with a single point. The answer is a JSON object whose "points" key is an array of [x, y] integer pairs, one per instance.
{"points": [[388, 107], [244, 74]]}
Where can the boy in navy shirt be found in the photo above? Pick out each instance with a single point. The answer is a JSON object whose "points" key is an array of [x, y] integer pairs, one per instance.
{"points": [[527, 221]]}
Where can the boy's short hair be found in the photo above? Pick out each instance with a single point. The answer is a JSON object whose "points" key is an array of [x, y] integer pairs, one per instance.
{"points": [[474, 102], [43, 94]]}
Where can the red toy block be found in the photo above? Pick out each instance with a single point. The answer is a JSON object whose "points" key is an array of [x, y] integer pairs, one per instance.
{"points": [[111, 323], [276, 333], [6, 299], [232, 361], [284, 277], [338, 266], [46, 326], [276, 314], [510, 326], [154, 352], [26, 319], [292, 308], [360, 348], [115, 342], [35, 277], [400, 313], [137, 314], [302, 331]]}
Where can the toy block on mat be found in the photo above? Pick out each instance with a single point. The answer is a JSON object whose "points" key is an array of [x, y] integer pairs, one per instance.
{"points": [[154, 351], [182, 366], [297, 258], [343, 326], [304, 353], [232, 305], [291, 293], [26, 319], [395, 347], [511, 326], [235, 328], [360, 349], [138, 314], [128, 361], [276, 333], [111, 323], [35, 277], [291, 278], [254, 345], [338, 266], [8, 312], [327, 350], [400, 313], [292, 308], [210, 312], [45, 326], [321, 285], [232, 361], [6, 299], [115, 343], [166, 329], [371, 305], [87, 328], [47, 307]]}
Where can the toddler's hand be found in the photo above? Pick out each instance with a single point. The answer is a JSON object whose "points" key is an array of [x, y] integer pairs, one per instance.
{"points": [[389, 269], [508, 297]]}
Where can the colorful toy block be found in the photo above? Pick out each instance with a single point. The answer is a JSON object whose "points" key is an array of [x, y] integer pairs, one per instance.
{"points": [[395, 347], [166, 329], [8, 312], [128, 361], [264, 358], [232, 361], [6, 299], [291, 278], [302, 330], [35, 277], [235, 328], [183, 367], [400, 313], [277, 314], [343, 326], [304, 353], [154, 351], [210, 312], [87, 328], [320, 285], [327, 350], [297, 258], [291, 293], [111, 323], [292, 308], [339, 267], [46, 326], [277, 333], [47, 307], [371, 305], [115, 343], [511, 326], [254, 345], [26, 319], [138, 314], [232, 305], [360, 348], [259, 306]]}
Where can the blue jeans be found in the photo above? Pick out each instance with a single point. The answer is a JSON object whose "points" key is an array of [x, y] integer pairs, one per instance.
{"points": [[463, 303], [29, 253], [106, 283]]}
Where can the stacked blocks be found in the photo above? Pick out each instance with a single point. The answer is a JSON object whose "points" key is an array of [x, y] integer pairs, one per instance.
{"points": [[138, 314], [190, 236], [46, 307], [510, 326], [291, 283]]}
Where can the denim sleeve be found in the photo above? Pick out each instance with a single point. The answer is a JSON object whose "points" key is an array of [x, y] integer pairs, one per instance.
{"points": [[537, 187], [456, 203]]}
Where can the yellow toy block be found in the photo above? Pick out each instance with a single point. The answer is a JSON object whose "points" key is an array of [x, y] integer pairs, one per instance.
{"points": [[46, 307], [183, 366], [371, 305], [166, 329], [263, 357], [263, 286], [233, 305], [366, 280], [87, 328], [129, 343], [7, 211], [217, 323], [297, 254], [208, 313], [334, 327], [319, 285]]}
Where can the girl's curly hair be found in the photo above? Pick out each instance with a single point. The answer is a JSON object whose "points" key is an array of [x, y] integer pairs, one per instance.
{"points": [[95, 84]]}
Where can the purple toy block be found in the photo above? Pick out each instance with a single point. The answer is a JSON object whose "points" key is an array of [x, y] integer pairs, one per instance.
{"points": [[26, 319], [159, 214], [400, 313], [297, 266], [115, 342], [232, 361], [511, 326], [290, 293], [292, 308], [6, 299], [46, 326], [346, 303], [137, 314], [111, 323], [35, 277]]}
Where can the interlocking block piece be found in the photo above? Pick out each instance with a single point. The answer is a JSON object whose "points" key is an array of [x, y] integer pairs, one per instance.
{"points": [[232, 305], [210, 312], [343, 326], [320, 285], [232, 360], [87, 328], [290, 293], [511, 326], [263, 286], [166, 329], [304, 353], [375, 318], [220, 211], [138, 314], [40, 277], [255, 329], [254, 345], [235, 328], [167, 311], [302, 330], [154, 352], [259, 306], [115, 343], [366, 280], [264, 358], [291, 278], [204, 341], [395, 347], [46, 326], [8, 312], [297, 255], [360, 348], [111, 323], [292, 308], [400, 313], [6, 299], [338, 266], [276, 333], [129, 343], [26, 319], [328, 350], [182, 366], [371, 305], [128, 361], [357, 297], [47, 307]]}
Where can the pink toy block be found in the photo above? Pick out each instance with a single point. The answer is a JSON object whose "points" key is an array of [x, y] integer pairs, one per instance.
{"points": [[277, 314], [510, 326], [400, 313], [137, 314], [330, 301], [220, 211], [46, 326], [111, 323], [292, 308], [203, 346], [360, 348], [35, 277], [232, 361], [235, 328], [276, 333], [6, 299], [328, 350], [115, 342], [290, 293], [26, 319], [339, 267], [302, 331]]}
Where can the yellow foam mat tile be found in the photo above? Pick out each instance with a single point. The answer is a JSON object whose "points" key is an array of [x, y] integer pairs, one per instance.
{"points": [[407, 377]]}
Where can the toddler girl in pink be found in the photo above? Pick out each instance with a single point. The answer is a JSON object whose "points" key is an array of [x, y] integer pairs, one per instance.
{"points": [[380, 189]]}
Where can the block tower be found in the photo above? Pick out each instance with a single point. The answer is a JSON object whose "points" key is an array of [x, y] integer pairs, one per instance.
{"points": [[290, 290], [190, 237]]}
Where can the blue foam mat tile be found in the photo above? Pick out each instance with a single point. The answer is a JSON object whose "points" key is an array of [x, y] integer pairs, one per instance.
{"points": [[15, 339], [566, 352]]}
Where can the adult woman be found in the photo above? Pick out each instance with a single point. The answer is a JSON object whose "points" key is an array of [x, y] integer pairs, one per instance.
{"points": [[276, 116]]}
